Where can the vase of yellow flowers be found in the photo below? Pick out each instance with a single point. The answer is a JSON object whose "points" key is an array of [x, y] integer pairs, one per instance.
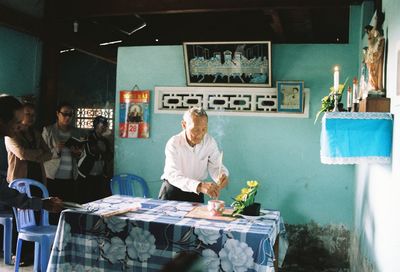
{"points": [[244, 202]]}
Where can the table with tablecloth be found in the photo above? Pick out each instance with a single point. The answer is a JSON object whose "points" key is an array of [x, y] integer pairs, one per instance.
{"points": [[152, 235]]}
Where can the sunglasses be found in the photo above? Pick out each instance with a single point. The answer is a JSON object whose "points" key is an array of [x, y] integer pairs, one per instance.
{"points": [[65, 114]]}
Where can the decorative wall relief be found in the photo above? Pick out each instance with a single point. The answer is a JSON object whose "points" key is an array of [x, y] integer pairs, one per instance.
{"points": [[224, 101]]}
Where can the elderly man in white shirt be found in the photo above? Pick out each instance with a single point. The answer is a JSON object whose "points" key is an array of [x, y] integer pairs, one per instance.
{"points": [[190, 157]]}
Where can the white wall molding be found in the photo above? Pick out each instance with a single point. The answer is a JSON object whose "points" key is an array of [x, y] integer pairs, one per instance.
{"points": [[225, 101]]}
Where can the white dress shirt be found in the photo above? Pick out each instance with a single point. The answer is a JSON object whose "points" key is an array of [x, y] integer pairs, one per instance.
{"points": [[186, 166]]}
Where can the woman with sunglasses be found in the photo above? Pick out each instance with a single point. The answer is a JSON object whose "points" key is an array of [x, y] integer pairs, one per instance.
{"points": [[61, 171]]}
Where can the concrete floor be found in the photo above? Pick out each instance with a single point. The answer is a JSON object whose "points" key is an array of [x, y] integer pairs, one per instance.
{"points": [[10, 268]]}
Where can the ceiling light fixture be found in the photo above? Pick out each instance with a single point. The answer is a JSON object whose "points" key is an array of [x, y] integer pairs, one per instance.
{"points": [[108, 43], [142, 25], [67, 50], [76, 26]]}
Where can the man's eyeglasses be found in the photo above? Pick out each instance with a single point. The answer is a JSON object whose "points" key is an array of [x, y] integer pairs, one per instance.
{"points": [[65, 114]]}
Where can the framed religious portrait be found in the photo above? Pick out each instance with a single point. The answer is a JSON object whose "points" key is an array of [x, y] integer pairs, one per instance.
{"points": [[290, 96], [228, 63]]}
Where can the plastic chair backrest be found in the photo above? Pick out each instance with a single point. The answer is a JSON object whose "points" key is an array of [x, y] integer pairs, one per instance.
{"points": [[124, 184], [26, 217]]}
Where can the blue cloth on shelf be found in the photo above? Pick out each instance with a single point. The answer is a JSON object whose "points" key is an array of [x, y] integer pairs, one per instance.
{"points": [[356, 137]]}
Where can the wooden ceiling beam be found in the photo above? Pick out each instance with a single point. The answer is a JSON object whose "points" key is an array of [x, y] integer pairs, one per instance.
{"points": [[276, 23], [91, 51], [36, 27], [75, 9], [81, 44]]}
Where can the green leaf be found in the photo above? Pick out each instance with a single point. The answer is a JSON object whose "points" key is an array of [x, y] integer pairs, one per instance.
{"points": [[317, 115]]}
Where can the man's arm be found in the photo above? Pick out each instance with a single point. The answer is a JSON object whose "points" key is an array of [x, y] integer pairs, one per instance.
{"points": [[22, 153], [13, 198]]}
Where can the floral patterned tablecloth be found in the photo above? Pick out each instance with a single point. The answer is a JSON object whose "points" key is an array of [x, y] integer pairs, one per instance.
{"points": [[146, 239]]}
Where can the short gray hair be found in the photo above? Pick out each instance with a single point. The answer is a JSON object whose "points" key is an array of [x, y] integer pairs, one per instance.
{"points": [[195, 111]]}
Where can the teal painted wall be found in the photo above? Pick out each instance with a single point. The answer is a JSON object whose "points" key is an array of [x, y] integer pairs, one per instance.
{"points": [[20, 69], [20, 62], [376, 245], [282, 153]]}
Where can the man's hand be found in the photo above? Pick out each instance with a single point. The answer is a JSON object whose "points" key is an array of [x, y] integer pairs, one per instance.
{"points": [[53, 204], [222, 181], [209, 188]]}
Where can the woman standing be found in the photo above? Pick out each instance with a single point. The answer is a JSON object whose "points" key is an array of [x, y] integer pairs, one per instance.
{"points": [[61, 171], [27, 151], [26, 154]]}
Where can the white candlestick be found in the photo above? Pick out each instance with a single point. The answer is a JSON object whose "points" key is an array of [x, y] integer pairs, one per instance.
{"points": [[356, 94], [336, 79], [349, 99]]}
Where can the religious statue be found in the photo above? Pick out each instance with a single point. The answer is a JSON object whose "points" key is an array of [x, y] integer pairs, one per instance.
{"points": [[363, 91], [374, 60]]}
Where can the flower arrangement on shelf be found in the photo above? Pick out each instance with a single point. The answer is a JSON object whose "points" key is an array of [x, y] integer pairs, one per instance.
{"points": [[244, 202], [328, 102]]}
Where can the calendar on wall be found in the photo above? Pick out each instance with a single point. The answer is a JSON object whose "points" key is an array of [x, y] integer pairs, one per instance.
{"points": [[134, 114]]}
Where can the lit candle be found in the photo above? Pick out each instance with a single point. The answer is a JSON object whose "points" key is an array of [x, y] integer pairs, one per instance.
{"points": [[336, 78]]}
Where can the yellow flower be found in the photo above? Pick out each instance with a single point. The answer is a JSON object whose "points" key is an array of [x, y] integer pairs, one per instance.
{"points": [[239, 197], [246, 197], [252, 183]]}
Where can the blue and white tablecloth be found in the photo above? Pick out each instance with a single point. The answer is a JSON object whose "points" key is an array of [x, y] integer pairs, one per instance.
{"points": [[356, 137], [146, 239]]}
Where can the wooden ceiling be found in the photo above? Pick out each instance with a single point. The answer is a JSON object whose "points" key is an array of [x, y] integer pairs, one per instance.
{"points": [[171, 22]]}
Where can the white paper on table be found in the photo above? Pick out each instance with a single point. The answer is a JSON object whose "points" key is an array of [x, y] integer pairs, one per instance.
{"points": [[185, 207], [177, 213]]}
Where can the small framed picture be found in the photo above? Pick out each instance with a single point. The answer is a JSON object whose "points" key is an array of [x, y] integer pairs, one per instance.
{"points": [[290, 96]]}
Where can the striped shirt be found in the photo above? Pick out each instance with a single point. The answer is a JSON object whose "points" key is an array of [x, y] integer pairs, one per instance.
{"points": [[65, 169]]}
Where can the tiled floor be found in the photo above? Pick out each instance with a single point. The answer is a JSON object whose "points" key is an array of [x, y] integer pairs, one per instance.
{"points": [[10, 268]]}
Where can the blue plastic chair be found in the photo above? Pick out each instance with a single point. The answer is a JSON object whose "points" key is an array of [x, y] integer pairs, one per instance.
{"points": [[42, 234], [6, 219], [124, 184]]}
